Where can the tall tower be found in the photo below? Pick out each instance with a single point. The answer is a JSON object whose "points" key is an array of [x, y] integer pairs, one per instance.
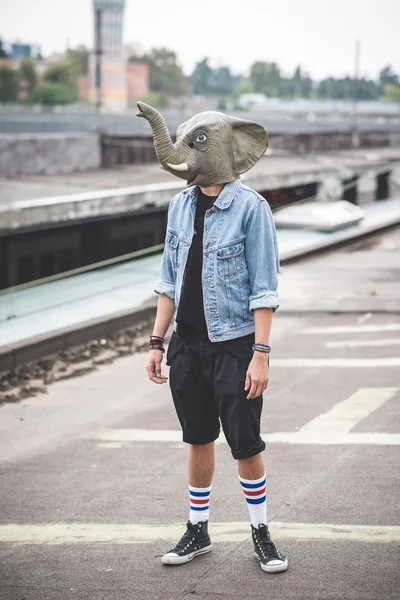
{"points": [[113, 63]]}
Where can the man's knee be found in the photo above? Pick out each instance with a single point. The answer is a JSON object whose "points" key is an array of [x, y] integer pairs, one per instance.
{"points": [[251, 460], [201, 448]]}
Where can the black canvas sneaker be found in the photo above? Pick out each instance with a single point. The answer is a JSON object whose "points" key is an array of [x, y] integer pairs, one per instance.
{"points": [[267, 553], [194, 542]]}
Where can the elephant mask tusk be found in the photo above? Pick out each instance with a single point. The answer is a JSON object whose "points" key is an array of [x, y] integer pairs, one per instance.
{"points": [[181, 167]]}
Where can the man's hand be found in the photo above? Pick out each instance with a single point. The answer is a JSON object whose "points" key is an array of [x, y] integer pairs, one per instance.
{"points": [[153, 367], [257, 375]]}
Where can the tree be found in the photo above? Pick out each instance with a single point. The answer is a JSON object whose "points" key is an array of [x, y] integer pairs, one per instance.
{"points": [[9, 84], [62, 73], [200, 78], [391, 93], [79, 60], [296, 82], [222, 81], [348, 88], [165, 74], [52, 93], [3, 53], [244, 86], [27, 72], [336, 89], [206, 81], [367, 89], [156, 99], [266, 78], [300, 85], [388, 77]]}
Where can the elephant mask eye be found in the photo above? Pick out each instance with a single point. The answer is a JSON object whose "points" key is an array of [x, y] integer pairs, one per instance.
{"points": [[200, 137]]}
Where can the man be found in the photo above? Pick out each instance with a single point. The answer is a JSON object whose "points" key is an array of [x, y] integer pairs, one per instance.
{"points": [[219, 273]]}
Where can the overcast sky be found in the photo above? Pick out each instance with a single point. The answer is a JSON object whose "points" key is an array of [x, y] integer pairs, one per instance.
{"points": [[318, 34]]}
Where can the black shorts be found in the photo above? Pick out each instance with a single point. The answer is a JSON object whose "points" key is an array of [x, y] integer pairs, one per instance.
{"points": [[207, 384]]}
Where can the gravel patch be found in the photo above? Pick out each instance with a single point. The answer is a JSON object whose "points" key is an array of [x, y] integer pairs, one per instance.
{"points": [[34, 378]]}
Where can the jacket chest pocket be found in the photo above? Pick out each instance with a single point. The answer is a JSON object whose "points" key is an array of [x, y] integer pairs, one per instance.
{"points": [[172, 242], [231, 261]]}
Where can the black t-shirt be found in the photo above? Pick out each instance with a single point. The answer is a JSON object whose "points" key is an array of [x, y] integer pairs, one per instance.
{"points": [[191, 305]]}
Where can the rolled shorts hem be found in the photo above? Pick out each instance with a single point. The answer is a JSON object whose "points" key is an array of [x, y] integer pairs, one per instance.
{"points": [[197, 440], [252, 451]]}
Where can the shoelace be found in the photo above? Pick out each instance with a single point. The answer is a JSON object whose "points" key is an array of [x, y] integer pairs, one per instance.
{"points": [[187, 538], [266, 545]]}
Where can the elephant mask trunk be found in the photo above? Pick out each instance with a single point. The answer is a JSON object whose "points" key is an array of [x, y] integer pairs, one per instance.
{"points": [[162, 140]]}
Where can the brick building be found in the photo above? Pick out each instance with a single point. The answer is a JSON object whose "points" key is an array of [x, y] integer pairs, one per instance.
{"points": [[138, 81]]}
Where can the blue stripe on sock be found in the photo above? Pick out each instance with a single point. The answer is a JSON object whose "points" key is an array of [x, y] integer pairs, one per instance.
{"points": [[251, 486], [256, 500], [198, 507], [200, 494]]}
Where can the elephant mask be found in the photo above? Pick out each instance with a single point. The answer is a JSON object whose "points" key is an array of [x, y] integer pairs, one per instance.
{"points": [[210, 148]]}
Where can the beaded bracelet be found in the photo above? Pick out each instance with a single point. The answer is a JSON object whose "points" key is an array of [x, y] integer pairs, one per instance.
{"points": [[155, 346], [258, 347], [156, 338]]}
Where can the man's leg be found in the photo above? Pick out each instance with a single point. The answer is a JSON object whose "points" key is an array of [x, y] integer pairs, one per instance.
{"points": [[198, 416], [201, 464], [196, 539], [201, 471], [252, 478], [240, 418], [251, 468]]}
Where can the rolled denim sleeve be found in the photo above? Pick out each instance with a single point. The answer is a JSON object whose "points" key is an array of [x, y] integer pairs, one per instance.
{"points": [[166, 284], [262, 259]]}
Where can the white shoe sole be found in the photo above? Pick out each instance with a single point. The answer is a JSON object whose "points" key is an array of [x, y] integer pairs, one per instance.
{"points": [[181, 560], [273, 568]]}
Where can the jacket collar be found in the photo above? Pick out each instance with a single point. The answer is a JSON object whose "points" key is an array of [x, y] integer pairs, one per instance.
{"points": [[225, 198]]}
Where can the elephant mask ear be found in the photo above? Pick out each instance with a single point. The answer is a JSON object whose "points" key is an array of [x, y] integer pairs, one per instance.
{"points": [[250, 141]]}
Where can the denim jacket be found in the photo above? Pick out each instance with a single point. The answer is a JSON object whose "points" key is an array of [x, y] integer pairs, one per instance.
{"points": [[240, 257]]}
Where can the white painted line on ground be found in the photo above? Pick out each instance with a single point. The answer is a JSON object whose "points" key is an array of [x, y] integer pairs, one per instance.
{"points": [[353, 329], [364, 363], [138, 435], [133, 533], [364, 318], [334, 439], [364, 343], [346, 414], [121, 438]]}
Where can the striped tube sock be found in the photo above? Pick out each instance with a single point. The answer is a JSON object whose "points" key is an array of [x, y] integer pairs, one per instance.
{"points": [[199, 504], [255, 491]]}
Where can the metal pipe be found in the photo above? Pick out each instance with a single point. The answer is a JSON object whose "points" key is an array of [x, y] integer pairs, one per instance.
{"points": [[98, 53], [356, 137]]}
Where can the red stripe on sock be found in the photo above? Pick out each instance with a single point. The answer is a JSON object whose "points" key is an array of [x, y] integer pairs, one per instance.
{"points": [[193, 501], [257, 493]]}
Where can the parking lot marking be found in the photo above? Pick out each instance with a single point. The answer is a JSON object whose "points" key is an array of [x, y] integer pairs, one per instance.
{"points": [[334, 439], [363, 343], [330, 428], [346, 414], [352, 329], [134, 533], [364, 318], [348, 363], [120, 438]]}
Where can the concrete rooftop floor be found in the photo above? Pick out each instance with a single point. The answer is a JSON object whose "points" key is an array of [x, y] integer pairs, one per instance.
{"points": [[93, 473]]}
